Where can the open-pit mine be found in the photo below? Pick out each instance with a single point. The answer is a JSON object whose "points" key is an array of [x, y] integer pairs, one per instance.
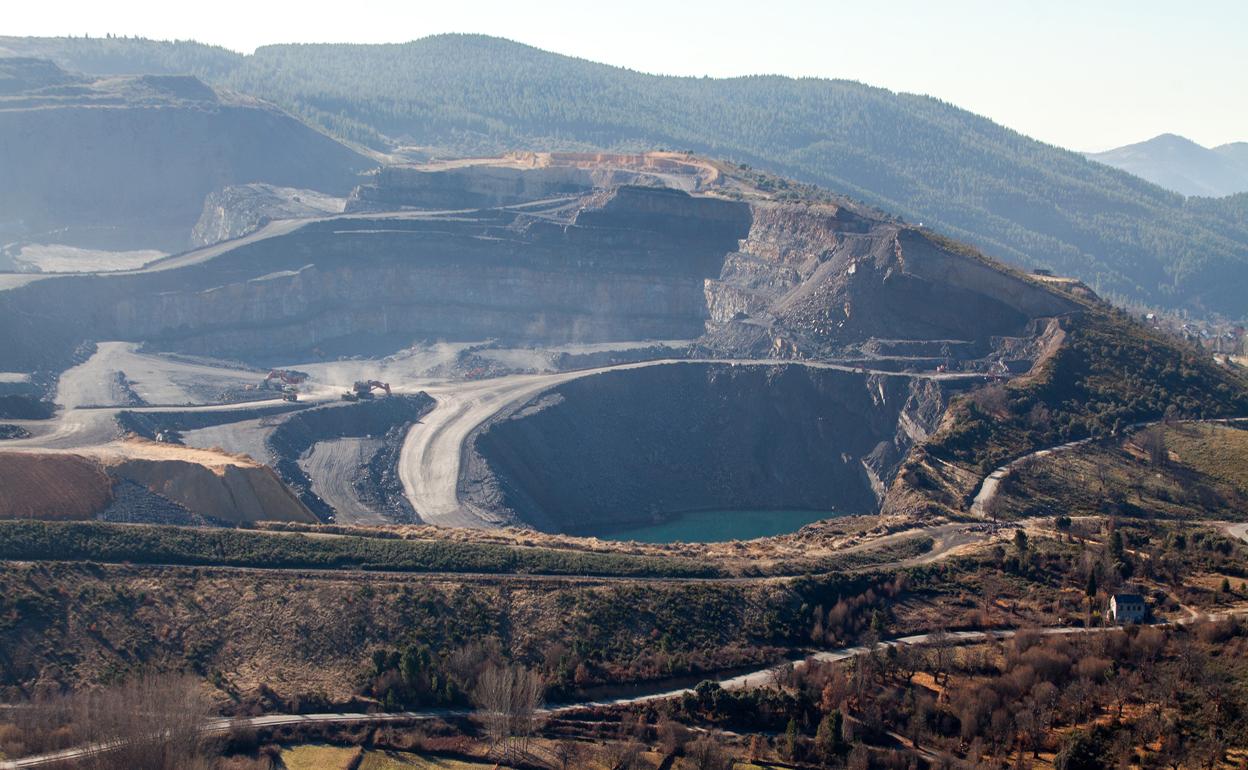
{"points": [[572, 343]]}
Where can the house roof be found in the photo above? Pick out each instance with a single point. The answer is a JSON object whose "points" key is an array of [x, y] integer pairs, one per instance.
{"points": [[1129, 598]]}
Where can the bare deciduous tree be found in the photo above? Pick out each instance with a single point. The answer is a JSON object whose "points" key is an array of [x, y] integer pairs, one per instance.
{"points": [[706, 754], [566, 754], [940, 645], [673, 736], [508, 699], [154, 721]]}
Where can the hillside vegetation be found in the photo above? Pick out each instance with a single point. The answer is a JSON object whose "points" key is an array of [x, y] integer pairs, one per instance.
{"points": [[1105, 374], [1016, 198], [1182, 471]]}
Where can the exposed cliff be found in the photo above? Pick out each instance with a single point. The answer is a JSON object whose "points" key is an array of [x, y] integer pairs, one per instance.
{"points": [[817, 280], [238, 210], [625, 263], [524, 177], [628, 447]]}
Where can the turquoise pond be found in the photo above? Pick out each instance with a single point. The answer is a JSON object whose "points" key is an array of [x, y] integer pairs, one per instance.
{"points": [[718, 526]]}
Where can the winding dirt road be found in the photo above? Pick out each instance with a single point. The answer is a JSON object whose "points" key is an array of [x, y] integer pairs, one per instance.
{"points": [[992, 482]]}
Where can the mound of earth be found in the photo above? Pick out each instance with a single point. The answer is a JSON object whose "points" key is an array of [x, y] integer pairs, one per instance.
{"points": [[211, 485], [52, 486]]}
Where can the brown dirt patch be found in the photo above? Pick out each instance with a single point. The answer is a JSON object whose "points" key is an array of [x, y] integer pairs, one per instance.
{"points": [[51, 486]]}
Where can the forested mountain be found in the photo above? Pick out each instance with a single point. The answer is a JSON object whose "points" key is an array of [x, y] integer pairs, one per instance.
{"points": [[1177, 163], [928, 161]]}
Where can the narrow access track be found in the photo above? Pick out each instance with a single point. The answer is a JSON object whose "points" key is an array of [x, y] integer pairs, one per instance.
{"points": [[991, 483], [1239, 531]]}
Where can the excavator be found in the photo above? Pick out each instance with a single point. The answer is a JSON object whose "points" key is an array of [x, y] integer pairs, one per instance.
{"points": [[284, 382], [364, 389], [285, 377]]}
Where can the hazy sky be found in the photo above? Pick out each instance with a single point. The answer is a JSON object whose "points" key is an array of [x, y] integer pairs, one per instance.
{"points": [[1086, 75]]}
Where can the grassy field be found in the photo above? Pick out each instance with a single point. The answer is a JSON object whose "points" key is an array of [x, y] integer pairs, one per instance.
{"points": [[1204, 475], [403, 760], [1217, 451], [316, 757]]}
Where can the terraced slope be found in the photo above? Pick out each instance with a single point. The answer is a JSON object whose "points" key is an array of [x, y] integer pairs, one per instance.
{"points": [[126, 162], [1015, 198]]}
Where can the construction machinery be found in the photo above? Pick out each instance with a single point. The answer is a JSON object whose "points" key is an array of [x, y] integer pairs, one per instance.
{"points": [[363, 389], [284, 382], [278, 378]]}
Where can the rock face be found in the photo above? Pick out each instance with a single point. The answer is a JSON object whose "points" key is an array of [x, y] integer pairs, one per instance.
{"points": [[239, 210], [523, 177], [629, 447], [812, 281], [125, 162], [619, 264], [464, 187]]}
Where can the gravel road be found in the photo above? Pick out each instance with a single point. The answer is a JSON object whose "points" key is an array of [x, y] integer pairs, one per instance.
{"points": [[334, 466]]}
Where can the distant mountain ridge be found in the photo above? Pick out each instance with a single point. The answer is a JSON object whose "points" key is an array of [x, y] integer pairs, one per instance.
{"points": [[1016, 198], [1177, 163]]}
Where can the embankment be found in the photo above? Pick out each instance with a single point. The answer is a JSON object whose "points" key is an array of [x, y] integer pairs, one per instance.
{"points": [[294, 437], [129, 480]]}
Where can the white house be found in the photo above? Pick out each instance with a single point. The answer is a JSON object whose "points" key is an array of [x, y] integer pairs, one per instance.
{"points": [[1127, 608]]}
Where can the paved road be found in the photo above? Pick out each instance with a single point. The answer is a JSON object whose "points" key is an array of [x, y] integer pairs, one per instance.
{"points": [[763, 677], [430, 463]]}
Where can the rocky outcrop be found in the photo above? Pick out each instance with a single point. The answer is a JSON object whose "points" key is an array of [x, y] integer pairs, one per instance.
{"points": [[239, 210], [628, 447], [812, 281]]}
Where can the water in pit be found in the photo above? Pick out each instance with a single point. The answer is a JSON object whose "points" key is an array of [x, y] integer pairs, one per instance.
{"points": [[720, 526]]}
